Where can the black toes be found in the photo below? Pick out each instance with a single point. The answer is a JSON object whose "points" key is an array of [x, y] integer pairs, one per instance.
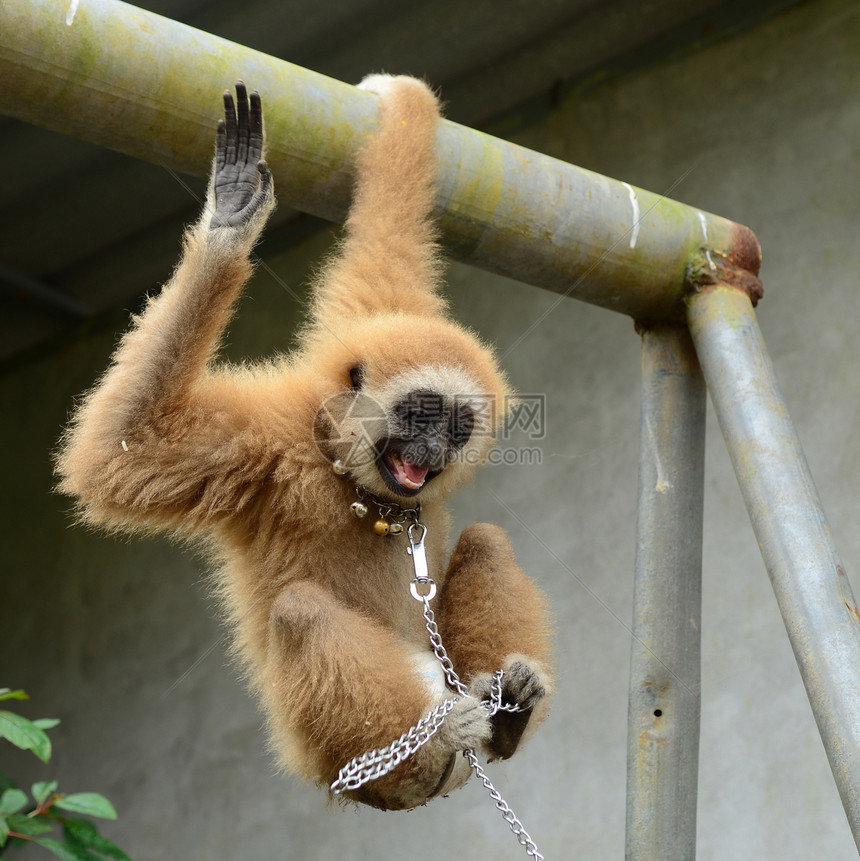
{"points": [[521, 685]]}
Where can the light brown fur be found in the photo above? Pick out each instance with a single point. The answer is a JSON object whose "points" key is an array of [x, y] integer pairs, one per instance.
{"points": [[319, 605]]}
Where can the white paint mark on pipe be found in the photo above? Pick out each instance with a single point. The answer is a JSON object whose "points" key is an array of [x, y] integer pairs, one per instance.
{"points": [[703, 221], [70, 15], [634, 202], [663, 484]]}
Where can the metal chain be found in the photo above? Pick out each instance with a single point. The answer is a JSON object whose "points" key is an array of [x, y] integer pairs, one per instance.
{"points": [[515, 825], [493, 705], [439, 650], [379, 762]]}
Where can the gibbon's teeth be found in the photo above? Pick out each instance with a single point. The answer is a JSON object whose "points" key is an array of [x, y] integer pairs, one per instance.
{"points": [[407, 474]]}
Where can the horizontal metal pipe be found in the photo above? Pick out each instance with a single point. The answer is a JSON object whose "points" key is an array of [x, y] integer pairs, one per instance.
{"points": [[664, 705], [133, 81], [813, 593]]}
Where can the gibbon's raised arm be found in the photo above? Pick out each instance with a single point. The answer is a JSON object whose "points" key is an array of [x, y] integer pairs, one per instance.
{"points": [[132, 451]]}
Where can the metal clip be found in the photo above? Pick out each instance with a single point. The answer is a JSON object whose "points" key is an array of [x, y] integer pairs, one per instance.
{"points": [[416, 584], [416, 550]]}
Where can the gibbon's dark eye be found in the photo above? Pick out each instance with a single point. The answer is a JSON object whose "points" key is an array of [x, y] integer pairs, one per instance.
{"points": [[356, 377], [460, 425]]}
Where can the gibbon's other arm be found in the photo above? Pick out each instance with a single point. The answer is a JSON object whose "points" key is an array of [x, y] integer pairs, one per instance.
{"points": [[162, 440]]}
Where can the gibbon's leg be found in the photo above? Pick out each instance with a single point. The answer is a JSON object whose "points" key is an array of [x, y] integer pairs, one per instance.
{"points": [[491, 617], [389, 256], [341, 685], [160, 438]]}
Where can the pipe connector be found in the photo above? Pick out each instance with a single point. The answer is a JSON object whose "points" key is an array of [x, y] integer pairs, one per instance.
{"points": [[738, 266]]}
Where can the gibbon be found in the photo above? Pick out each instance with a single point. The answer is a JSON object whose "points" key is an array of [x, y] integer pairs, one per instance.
{"points": [[384, 407]]}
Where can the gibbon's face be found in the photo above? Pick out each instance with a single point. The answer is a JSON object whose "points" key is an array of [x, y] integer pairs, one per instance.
{"points": [[415, 426], [430, 416]]}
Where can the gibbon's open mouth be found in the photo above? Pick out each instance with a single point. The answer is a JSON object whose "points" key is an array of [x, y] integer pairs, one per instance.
{"points": [[402, 475]]}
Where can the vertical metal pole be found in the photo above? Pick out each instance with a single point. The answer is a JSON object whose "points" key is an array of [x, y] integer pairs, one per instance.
{"points": [[664, 709], [811, 588]]}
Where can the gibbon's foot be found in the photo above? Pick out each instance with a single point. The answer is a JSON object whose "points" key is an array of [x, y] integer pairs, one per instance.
{"points": [[521, 686], [466, 725], [442, 767], [242, 180]]}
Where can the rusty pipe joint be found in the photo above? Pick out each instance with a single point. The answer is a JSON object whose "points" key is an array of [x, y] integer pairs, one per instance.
{"points": [[737, 267]]}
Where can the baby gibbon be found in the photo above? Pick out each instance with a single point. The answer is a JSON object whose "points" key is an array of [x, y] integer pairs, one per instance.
{"points": [[384, 407]]}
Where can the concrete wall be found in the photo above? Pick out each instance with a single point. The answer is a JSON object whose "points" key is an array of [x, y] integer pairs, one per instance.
{"points": [[118, 639]]}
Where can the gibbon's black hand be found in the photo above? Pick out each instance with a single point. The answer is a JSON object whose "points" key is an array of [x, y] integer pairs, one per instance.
{"points": [[242, 178]]}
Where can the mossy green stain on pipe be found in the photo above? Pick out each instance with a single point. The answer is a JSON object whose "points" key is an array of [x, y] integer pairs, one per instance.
{"points": [[150, 87], [471, 198]]}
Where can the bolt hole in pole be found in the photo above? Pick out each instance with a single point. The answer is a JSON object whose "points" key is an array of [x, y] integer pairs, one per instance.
{"points": [[658, 712]]}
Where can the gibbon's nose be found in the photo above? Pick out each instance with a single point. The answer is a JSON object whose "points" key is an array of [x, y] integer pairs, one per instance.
{"points": [[428, 451], [434, 426]]}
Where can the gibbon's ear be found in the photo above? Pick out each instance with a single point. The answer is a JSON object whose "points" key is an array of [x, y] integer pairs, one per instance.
{"points": [[356, 377], [388, 259]]}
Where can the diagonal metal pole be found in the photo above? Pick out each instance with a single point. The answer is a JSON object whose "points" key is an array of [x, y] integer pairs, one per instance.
{"points": [[813, 593], [664, 705]]}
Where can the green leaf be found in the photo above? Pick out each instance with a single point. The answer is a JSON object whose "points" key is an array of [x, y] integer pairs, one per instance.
{"points": [[4, 831], [41, 790], [12, 800], [46, 723], [6, 694], [66, 851], [30, 825], [86, 834], [25, 734], [90, 803]]}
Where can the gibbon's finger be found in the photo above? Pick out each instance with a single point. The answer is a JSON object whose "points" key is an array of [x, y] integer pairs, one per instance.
{"points": [[481, 686], [220, 145], [230, 129], [243, 124], [522, 685], [466, 726], [255, 140], [529, 696], [265, 175]]}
